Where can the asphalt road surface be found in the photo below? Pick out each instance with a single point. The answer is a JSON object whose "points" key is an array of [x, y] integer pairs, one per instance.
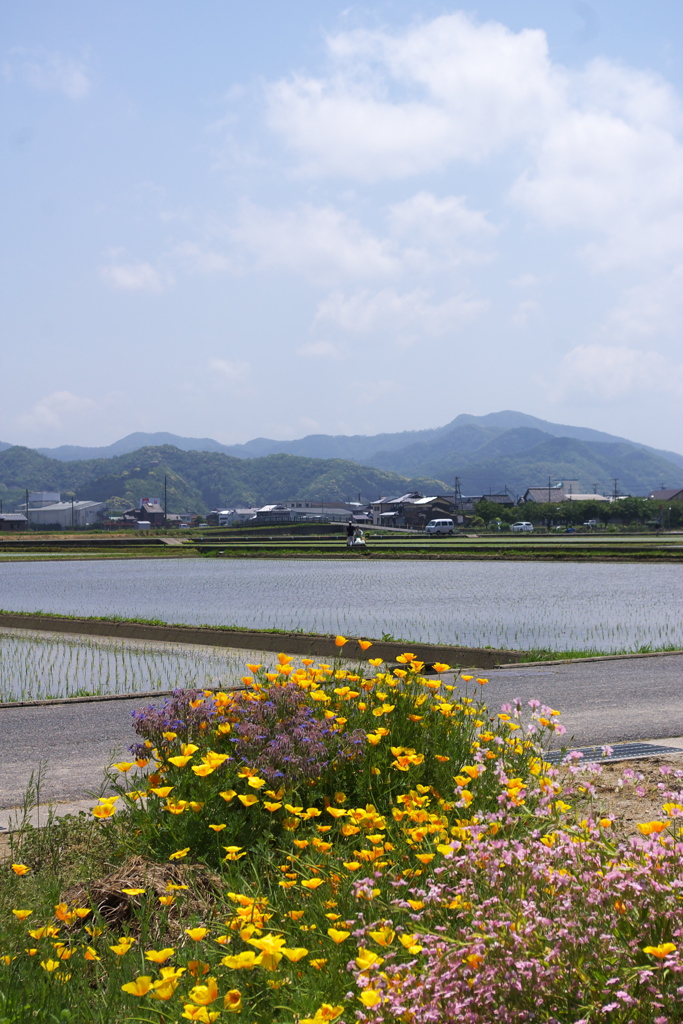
{"points": [[600, 701]]}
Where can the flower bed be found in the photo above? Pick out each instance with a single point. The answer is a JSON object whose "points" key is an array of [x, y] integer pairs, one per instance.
{"points": [[379, 848]]}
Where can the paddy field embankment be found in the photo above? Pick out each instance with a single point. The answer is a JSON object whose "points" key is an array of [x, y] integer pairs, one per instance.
{"points": [[329, 542]]}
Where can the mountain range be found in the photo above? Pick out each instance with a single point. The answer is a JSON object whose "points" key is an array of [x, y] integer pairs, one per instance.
{"points": [[358, 448], [490, 452]]}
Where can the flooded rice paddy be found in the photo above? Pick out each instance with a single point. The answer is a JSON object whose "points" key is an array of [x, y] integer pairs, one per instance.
{"points": [[526, 605], [37, 666]]}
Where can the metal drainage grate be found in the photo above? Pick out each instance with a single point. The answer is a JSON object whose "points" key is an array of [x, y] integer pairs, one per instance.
{"points": [[620, 752]]}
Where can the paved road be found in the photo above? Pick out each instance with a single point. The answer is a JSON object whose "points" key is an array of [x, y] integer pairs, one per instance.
{"points": [[601, 702]]}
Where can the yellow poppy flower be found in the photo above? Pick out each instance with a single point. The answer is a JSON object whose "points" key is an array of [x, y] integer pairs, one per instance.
{"points": [[242, 961], [370, 997], [661, 951], [200, 1013], [648, 827], [383, 936], [122, 946], [204, 995], [159, 956], [103, 811], [232, 1000]]}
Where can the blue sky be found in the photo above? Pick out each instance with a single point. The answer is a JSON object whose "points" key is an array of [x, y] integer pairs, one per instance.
{"points": [[236, 220]]}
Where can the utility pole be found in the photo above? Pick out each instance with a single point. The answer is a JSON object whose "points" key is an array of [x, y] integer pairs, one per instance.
{"points": [[72, 513], [457, 495], [615, 493], [548, 490], [595, 488], [28, 521], [165, 503]]}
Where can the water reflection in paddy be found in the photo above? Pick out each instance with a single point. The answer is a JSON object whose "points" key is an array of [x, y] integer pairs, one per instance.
{"points": [[512, 604]]}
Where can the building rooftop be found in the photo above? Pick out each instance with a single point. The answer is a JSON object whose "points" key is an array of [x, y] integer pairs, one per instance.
{"points": [[667, 495], [64, 506]]}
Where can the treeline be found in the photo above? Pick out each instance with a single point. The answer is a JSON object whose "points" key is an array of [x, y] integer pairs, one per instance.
{"points": [[624, 511]]}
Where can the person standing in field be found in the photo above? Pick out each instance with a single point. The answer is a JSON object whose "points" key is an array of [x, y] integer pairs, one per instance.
{"points": [[350, 532]]}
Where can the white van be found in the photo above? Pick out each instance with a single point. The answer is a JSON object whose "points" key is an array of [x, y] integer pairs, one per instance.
{"points": [[522, 528], [443, 526]]}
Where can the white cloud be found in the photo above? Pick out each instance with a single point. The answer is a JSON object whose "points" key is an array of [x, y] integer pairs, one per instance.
{"points": [[650, 308], [49, 72], [322, 242], [447, 224], [525, 281], [194, 258], [320, 350], [406, 315], [525, 311], [611, 372], [134, 277], [233, 371], [466, 89], [615, 182], [598, 147], [57, 409]]}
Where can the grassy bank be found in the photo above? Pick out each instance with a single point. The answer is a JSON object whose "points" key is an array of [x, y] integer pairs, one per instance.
{"points": [[337, 846], [267, 543]]}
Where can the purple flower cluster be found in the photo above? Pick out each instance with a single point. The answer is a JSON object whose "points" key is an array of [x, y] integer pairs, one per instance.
{"points": [[278, 735], [282, 739], [176, 714]]}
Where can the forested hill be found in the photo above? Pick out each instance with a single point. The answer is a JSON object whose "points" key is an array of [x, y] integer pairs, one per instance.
{"points": [[524, 457], [199, 481]]}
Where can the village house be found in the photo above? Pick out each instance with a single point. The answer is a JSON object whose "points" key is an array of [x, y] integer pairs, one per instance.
{"points": [[149, 511], [11, 522], [413, 510]]}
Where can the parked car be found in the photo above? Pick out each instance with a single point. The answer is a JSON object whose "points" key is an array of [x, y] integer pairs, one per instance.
{"points": [[522, 528], [440, 526], [591, 522]]}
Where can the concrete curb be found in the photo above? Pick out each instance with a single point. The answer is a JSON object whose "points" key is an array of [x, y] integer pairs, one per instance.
{"points": [[96, 698], [599, 657], [50, 701]]}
